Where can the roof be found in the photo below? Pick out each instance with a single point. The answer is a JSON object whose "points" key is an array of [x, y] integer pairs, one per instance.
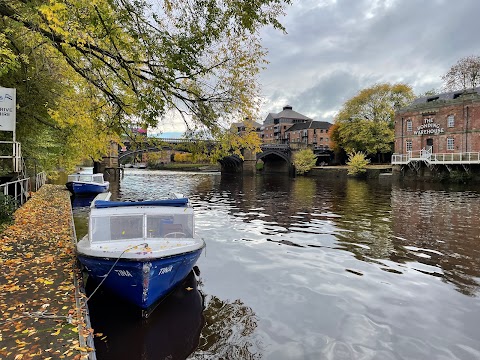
{"points": [[255, 124], [445, 96], [286, 113], [310, 125]]}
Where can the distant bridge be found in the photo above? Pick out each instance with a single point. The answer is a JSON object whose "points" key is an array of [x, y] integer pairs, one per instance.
{"points": [[275, 157]]}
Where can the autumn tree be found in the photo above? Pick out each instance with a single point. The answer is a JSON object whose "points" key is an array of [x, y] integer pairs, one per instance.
{"points": [[365, 122], [463, 75], [114, 61]]}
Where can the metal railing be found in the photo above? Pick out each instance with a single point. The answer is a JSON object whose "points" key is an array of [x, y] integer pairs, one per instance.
{"points": [[18, 190], [15, 155], [40, 180], [434, 158]]}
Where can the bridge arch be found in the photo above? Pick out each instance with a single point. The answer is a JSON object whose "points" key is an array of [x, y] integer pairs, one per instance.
{"points": [[276, 158]]}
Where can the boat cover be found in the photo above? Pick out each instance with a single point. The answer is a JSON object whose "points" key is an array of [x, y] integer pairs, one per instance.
{"points": [[102, 204]]}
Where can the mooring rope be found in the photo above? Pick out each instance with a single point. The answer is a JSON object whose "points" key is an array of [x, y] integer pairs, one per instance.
{"points": [[111, 268]]}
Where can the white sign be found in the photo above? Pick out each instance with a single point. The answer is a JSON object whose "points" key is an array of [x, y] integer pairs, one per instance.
{"points": [[7, 109], [429, 128]]}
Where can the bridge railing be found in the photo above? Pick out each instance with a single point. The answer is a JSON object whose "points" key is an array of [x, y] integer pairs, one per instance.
{"points": [[275, 146]]}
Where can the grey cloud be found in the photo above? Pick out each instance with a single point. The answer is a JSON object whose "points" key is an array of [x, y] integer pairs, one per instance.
{"points": [[333, 49]]}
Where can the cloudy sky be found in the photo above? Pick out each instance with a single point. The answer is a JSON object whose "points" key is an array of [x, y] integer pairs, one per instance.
{"points": [[334, 48]]}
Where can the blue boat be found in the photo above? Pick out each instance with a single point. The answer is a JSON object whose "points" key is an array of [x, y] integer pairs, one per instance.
{"points": [[82, 184], [140, 250]]}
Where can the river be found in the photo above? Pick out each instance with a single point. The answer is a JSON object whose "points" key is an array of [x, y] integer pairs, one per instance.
{"points": [[309, 268]]}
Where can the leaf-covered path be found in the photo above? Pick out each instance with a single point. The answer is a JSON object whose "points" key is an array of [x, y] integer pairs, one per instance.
{"points": [[39, 315]]}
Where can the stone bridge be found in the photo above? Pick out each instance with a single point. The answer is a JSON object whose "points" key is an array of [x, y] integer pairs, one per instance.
{"points": [[275, 157]]}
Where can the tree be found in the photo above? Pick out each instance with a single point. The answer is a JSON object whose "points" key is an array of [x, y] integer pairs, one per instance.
{"points": [[304, 161], [463, 75], [118, 61], [365, 122]]}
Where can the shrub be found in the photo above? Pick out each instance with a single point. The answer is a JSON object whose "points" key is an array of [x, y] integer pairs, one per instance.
{"points": [[7, 208], [304, 161], [357, 163]]}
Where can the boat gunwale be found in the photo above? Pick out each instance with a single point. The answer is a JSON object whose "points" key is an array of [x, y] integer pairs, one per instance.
{"points": [[142, 259]]}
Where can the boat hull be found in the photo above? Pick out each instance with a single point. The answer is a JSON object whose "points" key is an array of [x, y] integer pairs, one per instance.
{"points": [[143, 282], [79, 188]]}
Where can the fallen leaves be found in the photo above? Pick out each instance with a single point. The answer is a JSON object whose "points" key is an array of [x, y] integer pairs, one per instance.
{"points": [[38, 263]]}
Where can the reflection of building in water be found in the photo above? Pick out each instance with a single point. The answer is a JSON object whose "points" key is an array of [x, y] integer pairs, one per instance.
{"points": [[444, 227]]}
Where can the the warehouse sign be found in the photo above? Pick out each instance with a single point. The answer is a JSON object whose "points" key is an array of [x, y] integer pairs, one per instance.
{"points": [[429, 127], [7, 109]]}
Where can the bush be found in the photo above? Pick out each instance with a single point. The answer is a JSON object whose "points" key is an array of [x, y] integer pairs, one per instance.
{"points": [[357, 163], [7, 208], [304, 161]]}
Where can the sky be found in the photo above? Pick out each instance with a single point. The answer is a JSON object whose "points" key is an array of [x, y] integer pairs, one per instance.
{"points": [[335, 48]]}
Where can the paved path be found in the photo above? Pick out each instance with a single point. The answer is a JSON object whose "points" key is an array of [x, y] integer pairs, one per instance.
{"points": [[40, 316]]}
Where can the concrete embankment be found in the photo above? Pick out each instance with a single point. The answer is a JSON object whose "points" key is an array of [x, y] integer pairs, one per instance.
{"points": [[41, 296], [342, 171]]}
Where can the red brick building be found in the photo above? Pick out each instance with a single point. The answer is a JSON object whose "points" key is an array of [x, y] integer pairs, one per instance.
{"points": [[443, 129], [275, 125], [313, 134]]}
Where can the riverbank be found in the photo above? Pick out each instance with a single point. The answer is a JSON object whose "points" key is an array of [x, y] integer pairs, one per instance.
{"points": [[40, 282], [341, 171]]}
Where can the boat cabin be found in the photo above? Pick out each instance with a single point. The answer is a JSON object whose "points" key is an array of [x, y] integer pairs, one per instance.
{"points": [[87, 178], [140, 223]]}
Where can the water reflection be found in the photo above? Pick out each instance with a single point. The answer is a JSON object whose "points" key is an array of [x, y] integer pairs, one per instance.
{"points": [[228, 331], [171, 332], [324, 268], [82, 201], [439, 230], [373, 220]]}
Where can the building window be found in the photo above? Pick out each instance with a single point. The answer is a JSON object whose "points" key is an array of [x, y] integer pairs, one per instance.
{"points": [[451, 121], [450, 144], [409, 125], [408, 144]]}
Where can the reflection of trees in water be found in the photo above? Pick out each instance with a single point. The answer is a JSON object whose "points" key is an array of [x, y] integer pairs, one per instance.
{"points": [[228, 332], [370, 219], [366, 217]]}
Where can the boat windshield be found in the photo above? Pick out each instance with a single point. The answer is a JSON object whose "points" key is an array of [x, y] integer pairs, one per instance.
{"points": [[80, 177], [97, 178], [128, 227]]}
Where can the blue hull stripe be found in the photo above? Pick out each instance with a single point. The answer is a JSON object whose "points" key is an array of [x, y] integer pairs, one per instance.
{"points": [[142, 283], [79, 188]]}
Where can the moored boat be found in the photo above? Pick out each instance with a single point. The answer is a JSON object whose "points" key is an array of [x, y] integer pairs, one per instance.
{"points": [[80, 184], [140, 250]]}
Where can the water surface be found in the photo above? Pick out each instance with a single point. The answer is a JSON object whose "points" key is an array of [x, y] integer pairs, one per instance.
{"points": [[310, 268]]}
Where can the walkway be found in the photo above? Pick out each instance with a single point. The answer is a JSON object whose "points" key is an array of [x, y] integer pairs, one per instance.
{"points": [[39, 295], [465, 158]]}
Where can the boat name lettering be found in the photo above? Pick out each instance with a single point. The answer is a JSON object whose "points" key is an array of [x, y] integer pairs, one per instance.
{"points": [[124, 273], [165, 270]]}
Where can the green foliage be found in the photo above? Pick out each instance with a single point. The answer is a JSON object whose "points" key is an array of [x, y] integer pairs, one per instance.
{"points": [[183, 157], [366, 121], [84, 69], [357, 163], [304, 161], [7, 208]]}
